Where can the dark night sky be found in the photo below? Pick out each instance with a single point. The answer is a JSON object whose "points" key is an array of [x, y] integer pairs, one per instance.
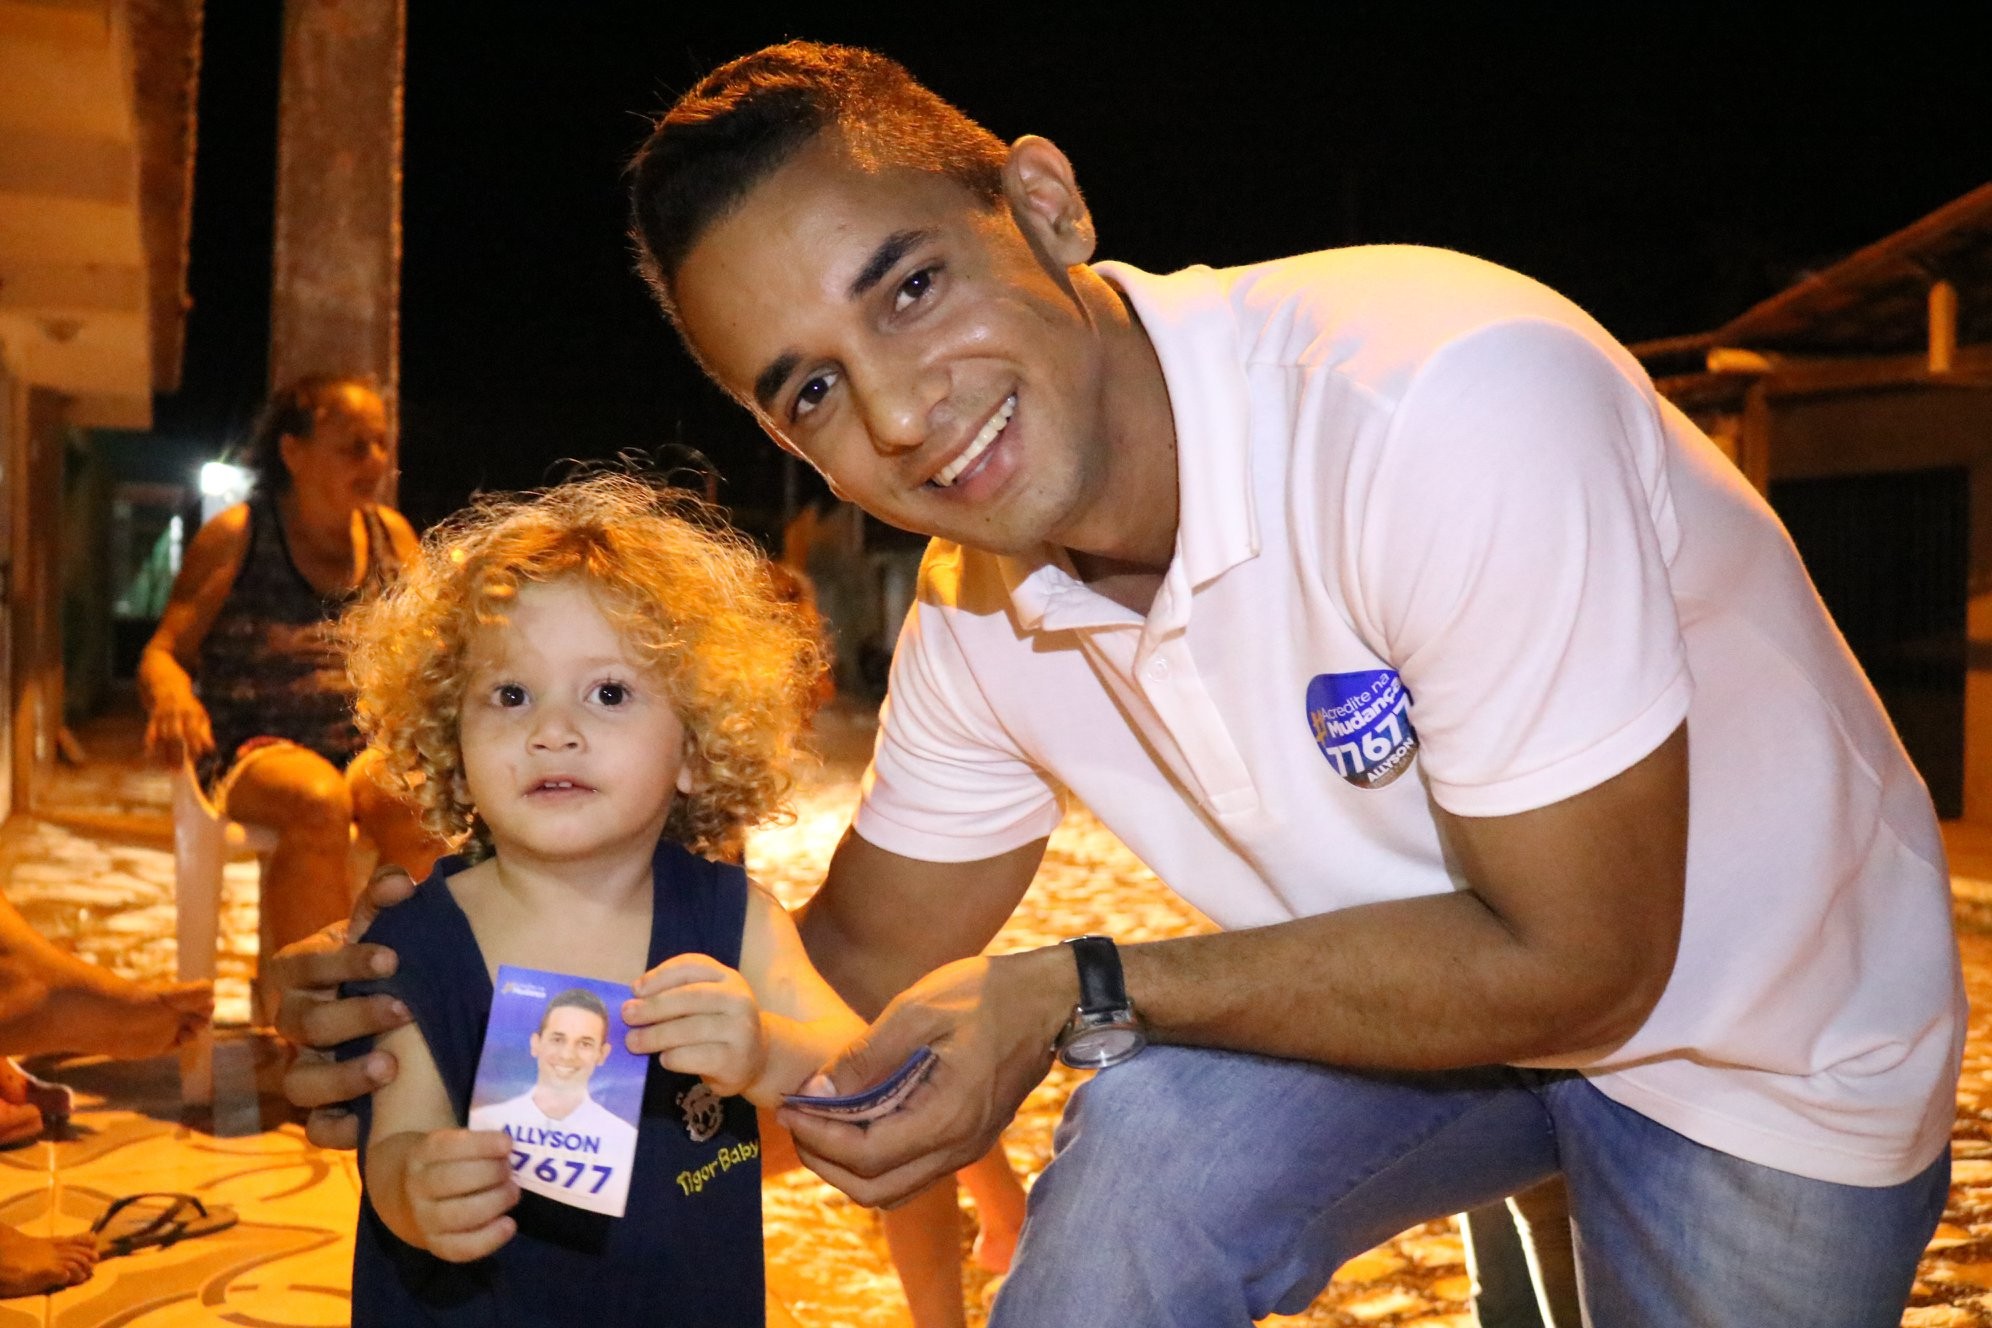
{"points": [[1664, 166]]}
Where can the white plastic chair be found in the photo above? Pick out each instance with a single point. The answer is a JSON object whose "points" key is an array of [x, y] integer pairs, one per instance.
{"points": [[204, 839]]}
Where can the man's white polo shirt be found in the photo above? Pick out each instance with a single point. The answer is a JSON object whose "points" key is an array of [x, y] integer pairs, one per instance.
{"points": [[1440, 542]]}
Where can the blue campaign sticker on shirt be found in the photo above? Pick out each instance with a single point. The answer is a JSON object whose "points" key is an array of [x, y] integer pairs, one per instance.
{"points": [[1362, 723]]}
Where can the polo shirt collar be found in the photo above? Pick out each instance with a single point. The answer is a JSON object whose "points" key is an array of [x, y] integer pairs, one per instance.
{"points": [[1189, 319]]}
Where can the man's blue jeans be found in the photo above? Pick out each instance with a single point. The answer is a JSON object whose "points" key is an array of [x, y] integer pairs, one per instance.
{"points": [[1207, 1189]]}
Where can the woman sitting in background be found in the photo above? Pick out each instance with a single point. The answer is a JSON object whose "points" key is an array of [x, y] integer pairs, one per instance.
{"points": [[243, 676]]}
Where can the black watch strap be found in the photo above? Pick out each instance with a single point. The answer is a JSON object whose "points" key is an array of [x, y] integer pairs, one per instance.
{"points": [[1101, 986]]}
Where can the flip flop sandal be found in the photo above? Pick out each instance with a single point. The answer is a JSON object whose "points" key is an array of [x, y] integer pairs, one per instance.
{"points": [[129, 1224]]}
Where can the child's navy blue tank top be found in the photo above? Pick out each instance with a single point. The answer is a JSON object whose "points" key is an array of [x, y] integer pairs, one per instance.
{"points": [[687, 1251]]}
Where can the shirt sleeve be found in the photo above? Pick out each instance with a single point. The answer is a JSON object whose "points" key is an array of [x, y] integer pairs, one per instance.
{"points": [[1510, 545], [947, 781]]}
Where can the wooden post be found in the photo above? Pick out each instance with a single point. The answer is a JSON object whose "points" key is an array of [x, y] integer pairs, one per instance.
{"points": [[34, 591], [13, 454], [1943, 327], [335, 292], [1753, 443]]}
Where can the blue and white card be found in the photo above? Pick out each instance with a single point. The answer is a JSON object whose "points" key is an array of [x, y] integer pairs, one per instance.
{"points": [[869, 1104], [556, 1077]]}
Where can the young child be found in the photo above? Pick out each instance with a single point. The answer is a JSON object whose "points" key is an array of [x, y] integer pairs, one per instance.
{"points": [[596, 686]]}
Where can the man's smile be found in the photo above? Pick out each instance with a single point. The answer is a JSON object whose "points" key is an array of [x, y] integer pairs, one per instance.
{"points": [[985, 438]]}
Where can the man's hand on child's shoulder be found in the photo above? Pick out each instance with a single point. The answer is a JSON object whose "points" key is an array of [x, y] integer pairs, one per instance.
{"points": [[459, 1191], [697, 1016], [313, 1018]]}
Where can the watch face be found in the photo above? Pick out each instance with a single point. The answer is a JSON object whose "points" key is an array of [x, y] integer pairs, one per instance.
{"points": [[1095, 1048]]}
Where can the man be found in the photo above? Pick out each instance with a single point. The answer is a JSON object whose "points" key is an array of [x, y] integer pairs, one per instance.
{"points": [[1376, 601]]}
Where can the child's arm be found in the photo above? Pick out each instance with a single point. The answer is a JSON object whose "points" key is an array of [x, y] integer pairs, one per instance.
{"points": [[760, 1032], [439, 1188], [807, 1022]]}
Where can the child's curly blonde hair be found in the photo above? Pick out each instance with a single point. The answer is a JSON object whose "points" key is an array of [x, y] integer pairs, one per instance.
{"points": [[692, 599]]}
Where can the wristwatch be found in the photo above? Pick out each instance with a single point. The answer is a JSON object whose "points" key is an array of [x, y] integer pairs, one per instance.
{"points": [[1104, 1030]]}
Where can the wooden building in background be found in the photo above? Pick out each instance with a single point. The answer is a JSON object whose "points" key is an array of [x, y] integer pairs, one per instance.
{"points": [[97, 102], [1859, 400], [97, 133]]}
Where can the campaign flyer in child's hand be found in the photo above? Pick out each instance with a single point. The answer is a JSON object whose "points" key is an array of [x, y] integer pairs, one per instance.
{"points": [[555, 1076]]}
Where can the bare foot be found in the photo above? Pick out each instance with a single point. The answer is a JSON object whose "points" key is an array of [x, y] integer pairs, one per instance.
{"points": [[52, 1000], [112, 1016], [30, 1265], [994, 1248], [999, 1209], [20, 1123], [55, 1102]]}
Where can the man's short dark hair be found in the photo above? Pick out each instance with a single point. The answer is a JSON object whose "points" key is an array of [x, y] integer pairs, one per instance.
{"points": [[750, 115], [578, 998]]}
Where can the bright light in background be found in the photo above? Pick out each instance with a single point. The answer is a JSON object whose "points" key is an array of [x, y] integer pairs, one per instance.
{"points": [[222, 485], [221, 480]]}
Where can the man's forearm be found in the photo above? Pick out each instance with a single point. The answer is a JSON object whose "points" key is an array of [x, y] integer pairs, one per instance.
{"points": [[1436, 982], [1428, 983], [1563, 946]]}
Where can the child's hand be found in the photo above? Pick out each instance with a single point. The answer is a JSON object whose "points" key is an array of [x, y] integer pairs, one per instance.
{"points": [[699, 1017], [459, 1190]]}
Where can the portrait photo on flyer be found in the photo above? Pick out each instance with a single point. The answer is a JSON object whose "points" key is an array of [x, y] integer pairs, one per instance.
{"points": [[555, 1076]]}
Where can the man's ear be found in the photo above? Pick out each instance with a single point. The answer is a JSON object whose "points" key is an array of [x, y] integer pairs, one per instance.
{"points": [[1045, 199]]}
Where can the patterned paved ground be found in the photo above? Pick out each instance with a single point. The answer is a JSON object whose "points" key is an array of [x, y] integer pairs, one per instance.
{"points": [[109, 896]]}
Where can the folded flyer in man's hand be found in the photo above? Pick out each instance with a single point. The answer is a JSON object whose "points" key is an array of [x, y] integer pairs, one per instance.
{"points": [[556, 1076], [881, 1099]]}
